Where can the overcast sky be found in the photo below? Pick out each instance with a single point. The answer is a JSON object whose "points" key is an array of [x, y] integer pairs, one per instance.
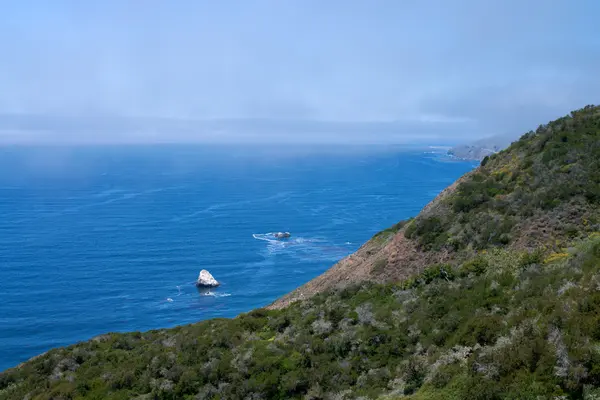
{"points": [[439, 69]]}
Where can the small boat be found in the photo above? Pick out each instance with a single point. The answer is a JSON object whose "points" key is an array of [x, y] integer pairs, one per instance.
{"points": [[281, 235]]}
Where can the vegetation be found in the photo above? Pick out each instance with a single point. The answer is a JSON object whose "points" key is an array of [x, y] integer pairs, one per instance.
{"points": [[392, 230], [514, 315], [549, 179]]}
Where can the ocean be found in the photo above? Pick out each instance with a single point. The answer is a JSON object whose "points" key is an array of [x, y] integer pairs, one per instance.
{"points": [[111, 238]]}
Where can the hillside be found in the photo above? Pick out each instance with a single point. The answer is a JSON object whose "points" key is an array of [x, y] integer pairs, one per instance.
{"points": [[541, 192], [491, 292]]}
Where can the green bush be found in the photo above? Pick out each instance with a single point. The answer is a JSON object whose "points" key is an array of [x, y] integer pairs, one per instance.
{"points": [[477, 266], [531, 258]]}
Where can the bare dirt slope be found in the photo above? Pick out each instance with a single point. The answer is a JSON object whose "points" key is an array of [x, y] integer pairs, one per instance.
{"points": [[386, 258]]}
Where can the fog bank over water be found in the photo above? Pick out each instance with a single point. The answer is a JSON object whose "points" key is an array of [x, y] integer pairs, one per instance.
{"points": [[35, 129], [292, 71]]}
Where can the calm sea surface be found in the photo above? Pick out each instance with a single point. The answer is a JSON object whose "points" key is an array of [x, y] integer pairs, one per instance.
{"points": [[100, 239]]}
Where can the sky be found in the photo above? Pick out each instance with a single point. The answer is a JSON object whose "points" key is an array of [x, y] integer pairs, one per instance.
{"points": [[293, 70]]}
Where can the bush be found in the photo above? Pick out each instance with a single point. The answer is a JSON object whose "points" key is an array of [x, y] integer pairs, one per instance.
{"points": [[429, 231], [477, 266], [531, 258], [441, 271]]}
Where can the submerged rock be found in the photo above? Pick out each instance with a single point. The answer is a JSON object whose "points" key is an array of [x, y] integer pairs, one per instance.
{"points": [[205, 279], [282, 235]]}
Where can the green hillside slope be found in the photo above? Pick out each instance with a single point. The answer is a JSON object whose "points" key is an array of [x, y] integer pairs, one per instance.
{"points": [[493, 293], [543, 190], [540, 193]]}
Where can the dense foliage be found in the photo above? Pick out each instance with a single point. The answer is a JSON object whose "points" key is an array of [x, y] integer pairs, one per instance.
{"points": [[547, 182], [503, 326]]}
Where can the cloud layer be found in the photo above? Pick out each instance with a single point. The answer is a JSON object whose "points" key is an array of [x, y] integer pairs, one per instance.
{"points": [[452, 69]]}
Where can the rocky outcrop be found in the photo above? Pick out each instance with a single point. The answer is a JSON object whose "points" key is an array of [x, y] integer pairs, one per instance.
{"points": [[206, 280], [478, 150], [282, 235]]}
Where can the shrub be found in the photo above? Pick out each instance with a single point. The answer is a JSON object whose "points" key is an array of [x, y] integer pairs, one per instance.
{"points": [[531, 258], [440, 271], [477, 266]]}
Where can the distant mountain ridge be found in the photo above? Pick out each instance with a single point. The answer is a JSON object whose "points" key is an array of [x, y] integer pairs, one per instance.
{"points": [[479, 149]]}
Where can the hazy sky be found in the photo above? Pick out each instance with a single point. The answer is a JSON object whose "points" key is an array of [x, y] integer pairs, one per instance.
{"points": [[445, 68]]}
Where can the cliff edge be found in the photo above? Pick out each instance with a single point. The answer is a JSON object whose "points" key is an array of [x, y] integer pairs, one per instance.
{"points": [[541, 191]]}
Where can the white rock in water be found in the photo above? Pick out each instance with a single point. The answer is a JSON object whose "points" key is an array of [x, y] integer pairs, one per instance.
{"points": [[205, 279]]}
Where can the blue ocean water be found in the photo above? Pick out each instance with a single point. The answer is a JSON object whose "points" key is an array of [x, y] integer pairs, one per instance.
{"points": [[100, 239]]}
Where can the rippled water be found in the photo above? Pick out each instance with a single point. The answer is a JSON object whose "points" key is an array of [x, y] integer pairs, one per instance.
{"points": [[111, 238]]}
